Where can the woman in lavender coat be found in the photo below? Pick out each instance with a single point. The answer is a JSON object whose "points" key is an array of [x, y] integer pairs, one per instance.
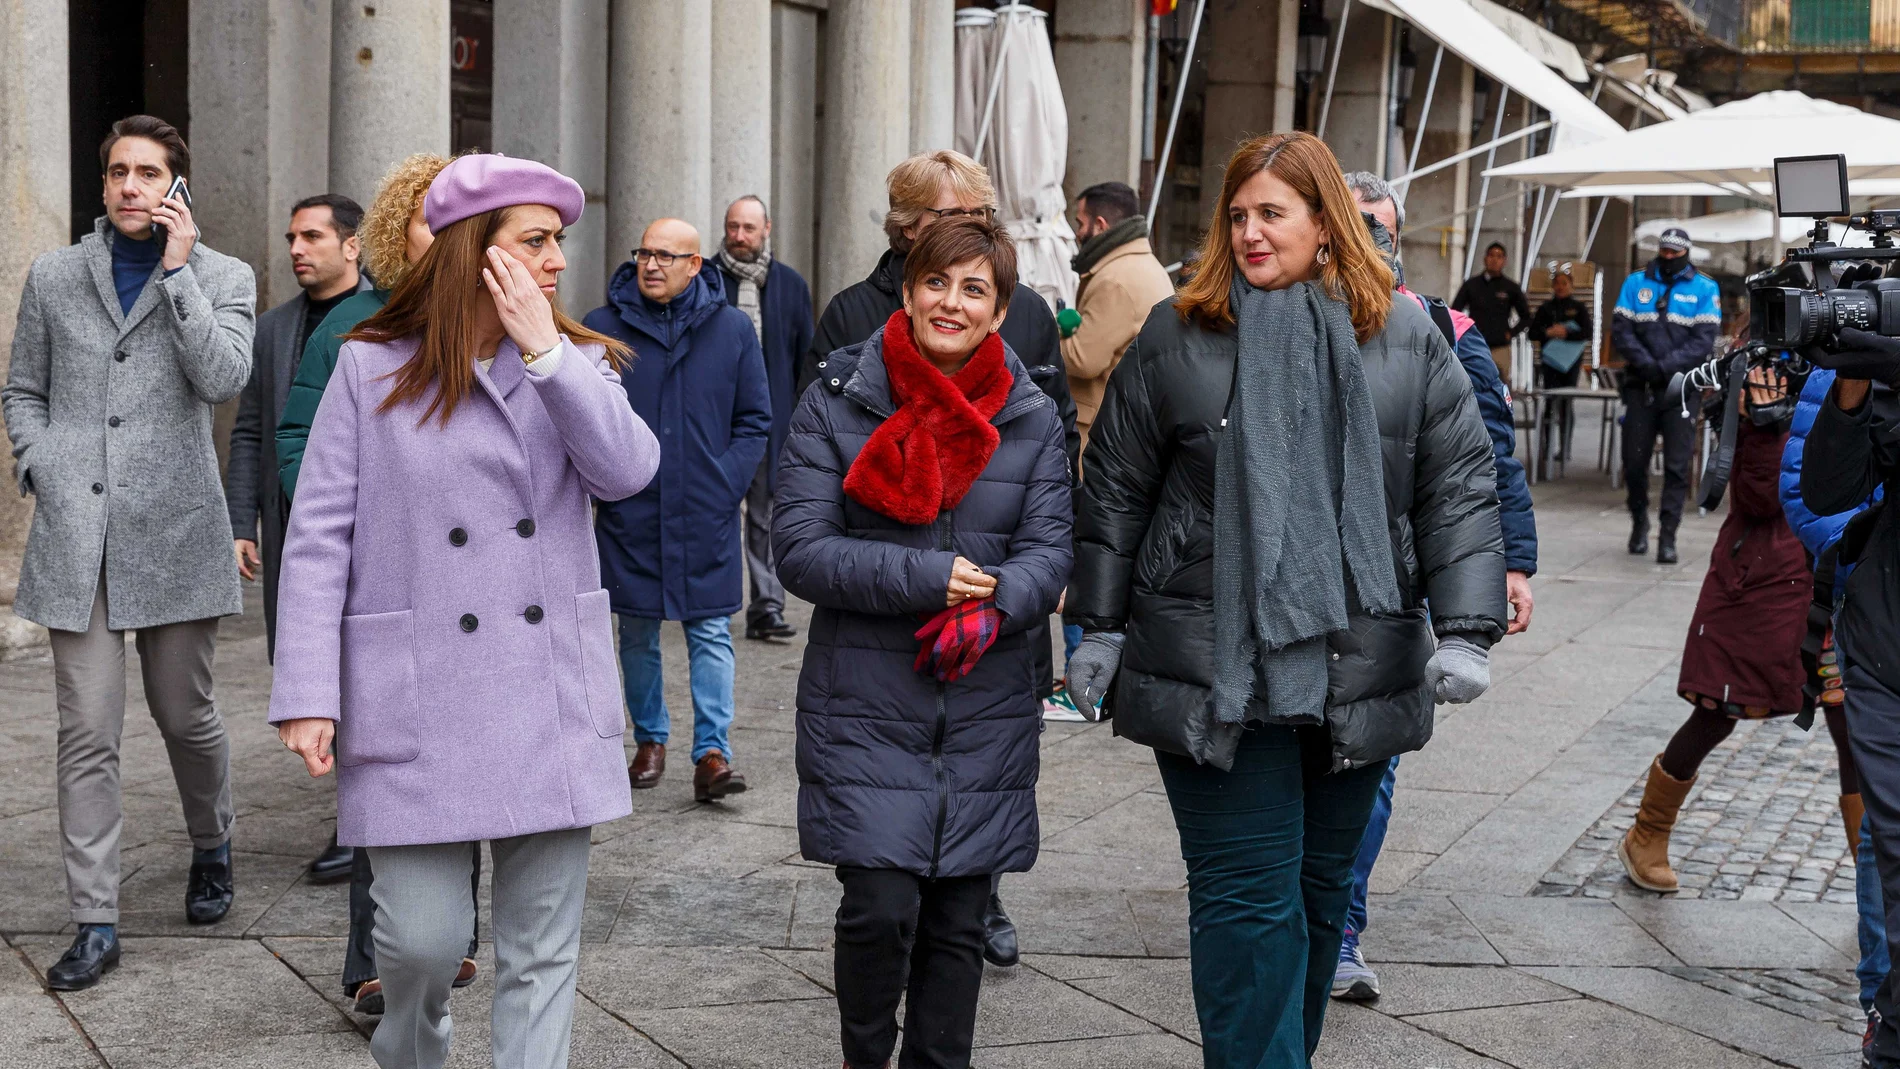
{"points": [[441, 611]]}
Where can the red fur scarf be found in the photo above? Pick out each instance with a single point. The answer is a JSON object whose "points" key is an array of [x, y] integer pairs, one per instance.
{"points": [[923, 459]]}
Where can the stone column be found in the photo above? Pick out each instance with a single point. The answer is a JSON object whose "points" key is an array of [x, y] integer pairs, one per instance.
{"points": [[659, 125], [933, 75], [1101, 49], [794, 196], [35, 169], [389, 89], [741, 107], [550, 71], [1356, 125], [867, 132], [260, 131], [1251, 51]]}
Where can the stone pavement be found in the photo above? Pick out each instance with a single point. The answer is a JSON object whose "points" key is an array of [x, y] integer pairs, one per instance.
{"points": [[706, 934]]}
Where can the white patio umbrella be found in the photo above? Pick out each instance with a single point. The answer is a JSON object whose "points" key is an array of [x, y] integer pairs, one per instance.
{"points": [[1729, 146], [975, 27], [1025, 143]]}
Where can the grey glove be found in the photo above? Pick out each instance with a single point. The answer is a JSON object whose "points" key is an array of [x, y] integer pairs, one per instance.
{"points": [[1459, 672], [1092, 668]]}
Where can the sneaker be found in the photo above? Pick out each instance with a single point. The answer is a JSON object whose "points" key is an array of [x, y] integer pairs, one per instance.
{"points": [[1354, 980], [1059, 706]]}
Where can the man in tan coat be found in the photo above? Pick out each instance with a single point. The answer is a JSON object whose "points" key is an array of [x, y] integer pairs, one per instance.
{"points": [[1121, 282]]}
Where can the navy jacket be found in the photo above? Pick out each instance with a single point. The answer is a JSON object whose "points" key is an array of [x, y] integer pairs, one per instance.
{"points": [[785, 313], [896, 770], [671, 551], [1662, 327], [1515, 516]]}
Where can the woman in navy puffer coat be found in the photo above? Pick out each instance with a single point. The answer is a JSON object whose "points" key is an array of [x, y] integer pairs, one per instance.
{"points": [[923, 483]]}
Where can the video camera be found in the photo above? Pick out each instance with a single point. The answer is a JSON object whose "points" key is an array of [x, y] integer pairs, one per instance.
{"points": [[1790, 317], [1806, 299]]}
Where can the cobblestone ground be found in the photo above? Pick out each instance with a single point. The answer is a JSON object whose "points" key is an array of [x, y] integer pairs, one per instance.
{"points": [[1763, 823], [1826, 996]]}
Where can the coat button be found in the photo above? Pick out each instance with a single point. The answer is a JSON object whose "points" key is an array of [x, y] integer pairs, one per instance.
{"points": [[469, 622], [458, 537], [98, 488], [119, 356], [113, 422], [525, 528], [533, 614]]}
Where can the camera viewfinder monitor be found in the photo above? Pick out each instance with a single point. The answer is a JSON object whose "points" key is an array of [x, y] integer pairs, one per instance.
{"points": [[1812, 186]]}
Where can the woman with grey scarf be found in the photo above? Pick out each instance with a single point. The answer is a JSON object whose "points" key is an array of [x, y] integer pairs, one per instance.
{"points": [[1287, 467]]}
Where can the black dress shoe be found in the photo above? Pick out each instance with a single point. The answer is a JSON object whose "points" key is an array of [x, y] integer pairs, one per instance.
{"points": [[1639, 535], [999, 935], [334, 864], [1666, 547], [209, 891], [94, 952], [772, 626]]}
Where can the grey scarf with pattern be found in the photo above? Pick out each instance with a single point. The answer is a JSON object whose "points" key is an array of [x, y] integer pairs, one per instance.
{"points": [[751, 275], [1300, 536]]}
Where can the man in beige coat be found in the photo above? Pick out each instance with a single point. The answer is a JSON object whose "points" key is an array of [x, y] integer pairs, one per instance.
{"points": [[1121, 283]]}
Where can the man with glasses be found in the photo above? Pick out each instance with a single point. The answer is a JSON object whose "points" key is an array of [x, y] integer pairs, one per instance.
{"points": [[671, 552], [926, 188]]}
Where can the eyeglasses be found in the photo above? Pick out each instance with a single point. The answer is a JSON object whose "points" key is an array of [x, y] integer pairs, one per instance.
{"points": [[959, 213], [657, 256]]}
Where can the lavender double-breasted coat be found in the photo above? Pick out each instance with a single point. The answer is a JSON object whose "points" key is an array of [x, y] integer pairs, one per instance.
{"points": [[441, 599]]}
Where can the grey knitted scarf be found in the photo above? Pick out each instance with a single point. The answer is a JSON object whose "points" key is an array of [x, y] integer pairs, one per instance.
{"points": [[1300, 534], [751, 275]]}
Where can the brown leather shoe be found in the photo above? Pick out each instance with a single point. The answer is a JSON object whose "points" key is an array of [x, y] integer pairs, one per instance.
{"points": [[713, 779], [649, 763]]}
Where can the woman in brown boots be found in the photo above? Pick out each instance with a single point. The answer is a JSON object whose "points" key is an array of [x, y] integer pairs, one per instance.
{"points": [[1743, 659]]}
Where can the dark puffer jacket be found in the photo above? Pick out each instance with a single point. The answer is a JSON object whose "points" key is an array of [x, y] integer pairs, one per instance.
{"points": [[896, 770], [1145, 538]]}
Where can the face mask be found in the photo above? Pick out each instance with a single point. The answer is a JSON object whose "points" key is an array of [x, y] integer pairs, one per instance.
{"points": [[1671, 268]]}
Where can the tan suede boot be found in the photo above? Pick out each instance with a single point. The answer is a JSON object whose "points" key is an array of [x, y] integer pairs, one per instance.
{"points": [[1851, 812], [1645, 850]]}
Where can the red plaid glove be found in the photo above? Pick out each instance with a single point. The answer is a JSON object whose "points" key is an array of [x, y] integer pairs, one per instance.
{"points": [[962, 634]]}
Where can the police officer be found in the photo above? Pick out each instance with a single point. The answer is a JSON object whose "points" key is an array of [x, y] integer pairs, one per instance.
{"points": [[1665, 321]]}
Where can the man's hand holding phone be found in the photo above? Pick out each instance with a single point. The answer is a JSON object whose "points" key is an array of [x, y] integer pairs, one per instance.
{"points": [[180, 232]]}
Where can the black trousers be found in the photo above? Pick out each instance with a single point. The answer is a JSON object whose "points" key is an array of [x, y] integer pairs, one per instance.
{"points": [[1645, 414], [1873, 731], [899, 932], [359, 953]]}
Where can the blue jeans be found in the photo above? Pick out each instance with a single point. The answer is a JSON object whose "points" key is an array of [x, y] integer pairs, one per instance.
{"points": [[710, 668], [1369, 848], [1269, 849], [1873, 925], [1071, 638]]}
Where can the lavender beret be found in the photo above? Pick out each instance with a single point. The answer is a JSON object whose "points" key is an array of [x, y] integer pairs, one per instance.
{"points": [[482, 182]]}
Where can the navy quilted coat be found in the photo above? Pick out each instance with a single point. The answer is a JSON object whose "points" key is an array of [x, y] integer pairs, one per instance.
{"points": [[896, 770]]}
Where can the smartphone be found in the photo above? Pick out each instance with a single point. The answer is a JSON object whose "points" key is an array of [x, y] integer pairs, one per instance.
{"points": [[179, 190]]}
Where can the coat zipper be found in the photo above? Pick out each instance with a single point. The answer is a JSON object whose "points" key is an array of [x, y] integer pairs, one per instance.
{"points": [[936, 742]]}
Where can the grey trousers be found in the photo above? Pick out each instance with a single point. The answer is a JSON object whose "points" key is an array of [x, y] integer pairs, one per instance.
{"points": [[423, 916], [89, 685], [768, 595]]}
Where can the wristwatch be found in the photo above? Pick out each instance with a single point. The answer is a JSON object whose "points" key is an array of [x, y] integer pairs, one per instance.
{"points": [[529, 357]]}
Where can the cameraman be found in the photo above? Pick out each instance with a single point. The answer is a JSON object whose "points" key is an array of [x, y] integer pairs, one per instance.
{"points": [[1852, 450], [1665, 321]]}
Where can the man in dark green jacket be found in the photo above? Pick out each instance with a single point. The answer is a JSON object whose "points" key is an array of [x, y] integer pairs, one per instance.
{"points": [[313, 374]]}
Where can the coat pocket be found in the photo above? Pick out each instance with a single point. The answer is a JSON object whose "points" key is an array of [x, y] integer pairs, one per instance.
{"points": [[1377, 704], [381, 699], [593, 615]]}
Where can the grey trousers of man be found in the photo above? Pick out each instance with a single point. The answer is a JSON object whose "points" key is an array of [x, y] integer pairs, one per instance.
{"points": [[768, 595], [89, 686], [423, 916]]}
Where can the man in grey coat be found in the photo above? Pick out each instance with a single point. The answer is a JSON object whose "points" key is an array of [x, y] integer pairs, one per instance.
{"points": [[124, 345]]}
